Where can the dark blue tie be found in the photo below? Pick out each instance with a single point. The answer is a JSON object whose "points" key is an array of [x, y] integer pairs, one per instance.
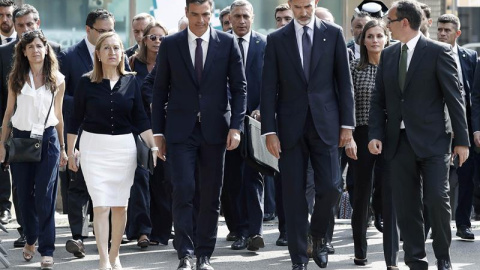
{"points": [[307, 52], [242, 50], [199, 60], [8, 39]]}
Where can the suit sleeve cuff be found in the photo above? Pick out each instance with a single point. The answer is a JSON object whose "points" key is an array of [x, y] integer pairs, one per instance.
{"points": [[157, 135]]}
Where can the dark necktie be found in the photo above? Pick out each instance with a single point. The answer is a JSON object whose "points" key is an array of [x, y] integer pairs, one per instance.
{"points": [[402, 67], [307, 52], [8, 39], [199, 59], [242, 50]]}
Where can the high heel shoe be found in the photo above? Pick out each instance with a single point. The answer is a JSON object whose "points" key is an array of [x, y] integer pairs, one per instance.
{"points": [[28, 254], [47, 263]]}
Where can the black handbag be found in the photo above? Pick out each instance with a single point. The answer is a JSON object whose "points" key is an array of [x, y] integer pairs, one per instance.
{"points": [[144, 155], [254, 150], [26, 149]]}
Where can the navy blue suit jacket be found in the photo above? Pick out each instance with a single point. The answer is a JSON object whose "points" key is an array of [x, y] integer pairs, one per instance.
{"points": [[177, 85], [468, 63], [287, 94], [253, 70]]}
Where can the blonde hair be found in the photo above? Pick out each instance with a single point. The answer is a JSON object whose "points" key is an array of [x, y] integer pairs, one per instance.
{"points": [[96, 75]]}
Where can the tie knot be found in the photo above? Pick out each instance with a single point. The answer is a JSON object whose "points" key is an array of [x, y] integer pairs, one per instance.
{"points": [[240, 40], [305, 29], [199, 41], [404, 48], [8, 39]]}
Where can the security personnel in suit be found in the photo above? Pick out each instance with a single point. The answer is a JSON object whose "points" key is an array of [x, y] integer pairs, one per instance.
{"points": [[417, 138], [198, 124], [25, 18]]}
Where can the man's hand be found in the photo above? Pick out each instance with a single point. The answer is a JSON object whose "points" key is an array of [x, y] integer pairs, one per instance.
{"points": [[256, 115], [233, 139], [345, 136], [462, 153], [273, 145], [375, 147], [162, 147], [351, 149], [476, 138]]}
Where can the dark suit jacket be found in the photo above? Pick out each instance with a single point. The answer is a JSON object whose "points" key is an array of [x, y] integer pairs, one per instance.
{"points": [[286, 92], [176, 83], [253, 70], [468, 63], [130, 51], [6, 62], [431, 83]]}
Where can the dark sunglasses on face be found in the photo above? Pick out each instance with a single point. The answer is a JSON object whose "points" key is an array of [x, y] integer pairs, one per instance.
{"points": [[154, 37]]}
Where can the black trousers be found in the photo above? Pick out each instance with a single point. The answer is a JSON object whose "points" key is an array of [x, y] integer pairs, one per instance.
{"points": [[138, 211], [293, 165], [466, 178], [161, 203], [421, 181]]}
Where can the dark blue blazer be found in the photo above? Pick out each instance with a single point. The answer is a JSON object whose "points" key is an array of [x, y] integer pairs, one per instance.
{"points": [[176, 83], [253, 70], [287, 94], [468, 63]]}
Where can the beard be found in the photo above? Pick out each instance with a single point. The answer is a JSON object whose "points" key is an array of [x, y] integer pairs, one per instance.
{"points": [[6, 28]]}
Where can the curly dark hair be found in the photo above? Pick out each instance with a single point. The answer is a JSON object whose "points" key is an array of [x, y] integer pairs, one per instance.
{"points": [[21, 66]]}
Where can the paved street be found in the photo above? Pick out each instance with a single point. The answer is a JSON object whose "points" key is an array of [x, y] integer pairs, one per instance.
{"points": [[465, 255]]}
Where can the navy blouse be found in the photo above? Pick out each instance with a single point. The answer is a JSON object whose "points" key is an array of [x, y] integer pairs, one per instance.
{"points": [[100, 109]]}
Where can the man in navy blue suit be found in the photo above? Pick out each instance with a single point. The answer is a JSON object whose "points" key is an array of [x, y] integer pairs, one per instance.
{"points": [[192, 114], [246, 205], [74, 62], [448, 32], [307, 112]]}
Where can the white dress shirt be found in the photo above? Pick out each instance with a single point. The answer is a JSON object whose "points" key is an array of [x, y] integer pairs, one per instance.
{"points": [[91, 48], [457, 60], [245, 43], [13, 36], [299, 33], [357, 50], [192, 44]]}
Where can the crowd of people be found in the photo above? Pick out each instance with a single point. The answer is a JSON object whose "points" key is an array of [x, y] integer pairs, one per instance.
{"points": [[373, 103]]}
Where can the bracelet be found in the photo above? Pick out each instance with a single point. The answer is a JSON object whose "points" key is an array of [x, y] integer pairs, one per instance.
{"points": [[62, 146], [70, 156], [154, 148]]}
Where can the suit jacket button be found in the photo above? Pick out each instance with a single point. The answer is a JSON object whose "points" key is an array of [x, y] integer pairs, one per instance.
{"points": [[402, 100], [199, 95]]}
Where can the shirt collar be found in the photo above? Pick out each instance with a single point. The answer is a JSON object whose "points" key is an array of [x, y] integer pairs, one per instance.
{"points": [[299, 27], [90, 46], [413, 42], [192, 37], [13, 35], [455, 49], [245, 37]]}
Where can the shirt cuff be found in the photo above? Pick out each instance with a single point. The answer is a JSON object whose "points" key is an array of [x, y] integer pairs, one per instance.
{"points": [[348, 127], [476, 131], [269, 133], [157, 135]]}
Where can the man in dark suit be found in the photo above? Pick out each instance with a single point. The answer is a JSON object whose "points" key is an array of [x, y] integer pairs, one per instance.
{"points": [[74, 62], [7, 34], [309, 92], [417, 138], [193, 69], [243, 184], [357, 23], [25, 18], [448, 26], [139, 22]]}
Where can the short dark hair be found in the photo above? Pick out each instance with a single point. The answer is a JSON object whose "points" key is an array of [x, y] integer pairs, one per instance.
{"points": [[8, 3], [224, 12], [97, 14], [450, 18], [426, 9], [188, 2], [361, 14], [25, 9], [281, 7], [410, 10]]}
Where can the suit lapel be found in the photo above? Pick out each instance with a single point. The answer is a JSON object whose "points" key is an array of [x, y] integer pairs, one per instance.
{"points": [[292, 49], [319, 37], [391, 63], [252, 50], [416, 59], [211, 52], [85, 56], [462, 56], [185, 51]]}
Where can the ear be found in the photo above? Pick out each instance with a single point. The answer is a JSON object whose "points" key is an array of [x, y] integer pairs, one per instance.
{"points": [[459, 33]]}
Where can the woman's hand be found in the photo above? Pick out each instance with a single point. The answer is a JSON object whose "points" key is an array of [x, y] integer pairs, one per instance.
{"points": [[72, 163], [3, 152], [63, 158]]}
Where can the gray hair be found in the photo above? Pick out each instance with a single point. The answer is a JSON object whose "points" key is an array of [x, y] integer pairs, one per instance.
{"points": [[241, 3]]}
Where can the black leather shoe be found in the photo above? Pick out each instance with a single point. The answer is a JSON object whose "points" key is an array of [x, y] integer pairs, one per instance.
{"points": [[5, 217], [444, 265], [282, 240], [75, 247], [268, 216], [330, 248], [299, 266], [255, 243], [203, 263], [240, 243], [20, 242], [378, 223], [320, 252], [231, 237], [465, 232], [360, 261], [185, 263]]}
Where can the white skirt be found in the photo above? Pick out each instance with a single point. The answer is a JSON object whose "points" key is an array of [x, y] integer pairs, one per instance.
{"points": [[108, 164]]}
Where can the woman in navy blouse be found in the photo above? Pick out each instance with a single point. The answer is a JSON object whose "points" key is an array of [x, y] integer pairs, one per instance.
{"points": [[108, 105]]}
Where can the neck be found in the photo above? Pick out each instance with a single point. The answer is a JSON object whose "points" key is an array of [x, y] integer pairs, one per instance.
{"points": [[151, 57], [408, 36], [7, 34], [110, 73], [374, 58], [36, 68]]}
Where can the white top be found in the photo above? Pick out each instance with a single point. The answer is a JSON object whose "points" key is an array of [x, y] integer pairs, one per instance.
{"points": [[299, 33], [90, 47], [192, 44], [411, 44], [459, 65], [33, 105]]}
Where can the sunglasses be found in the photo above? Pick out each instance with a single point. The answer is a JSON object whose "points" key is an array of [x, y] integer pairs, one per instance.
{"points": [[155, 37]]}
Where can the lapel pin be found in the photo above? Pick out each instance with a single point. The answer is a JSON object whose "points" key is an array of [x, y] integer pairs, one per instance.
{"points": [[258, 41], [324, 39], [463, 55]]}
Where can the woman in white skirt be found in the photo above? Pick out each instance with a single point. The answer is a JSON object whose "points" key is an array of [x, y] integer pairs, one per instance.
{"points": [[107, 105]]}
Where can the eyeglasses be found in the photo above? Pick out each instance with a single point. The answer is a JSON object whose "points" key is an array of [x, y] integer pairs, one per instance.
{"points": [[103, 31], [154, 37], [389, 21]]}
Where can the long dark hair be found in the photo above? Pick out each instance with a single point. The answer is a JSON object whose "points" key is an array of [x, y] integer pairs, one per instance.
{"points": [[21, 66], [363, 62]]}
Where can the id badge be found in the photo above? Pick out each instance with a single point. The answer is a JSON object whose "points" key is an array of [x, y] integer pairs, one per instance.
{"points": [[37, 131]]}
